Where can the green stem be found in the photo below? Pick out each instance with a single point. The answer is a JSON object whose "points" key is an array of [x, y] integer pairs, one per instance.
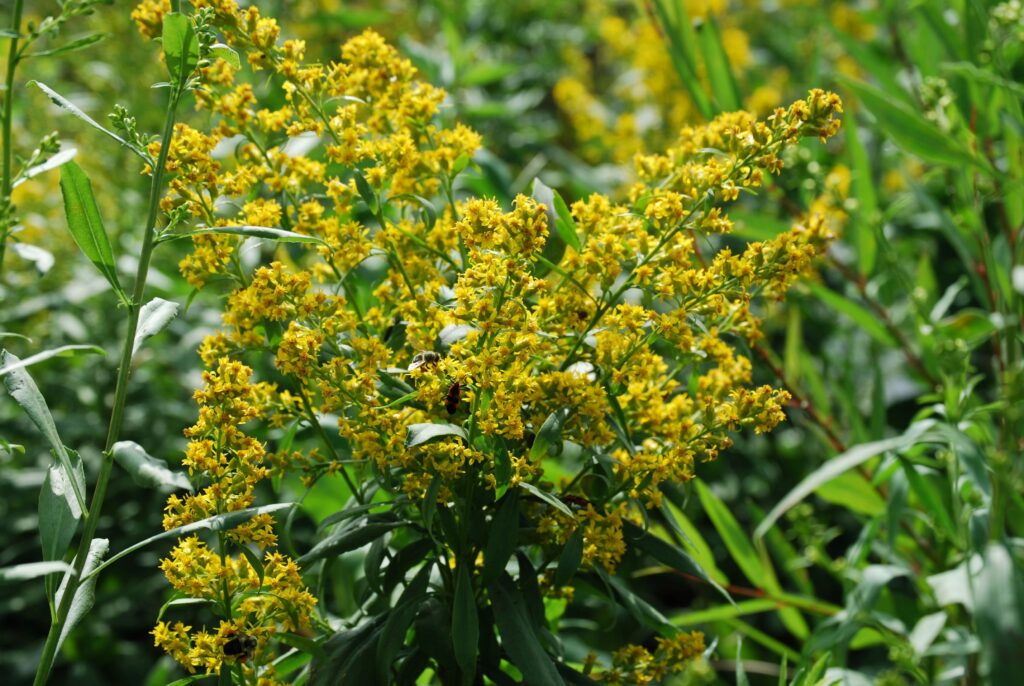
{"points": [[117, 413], [8, 153]]}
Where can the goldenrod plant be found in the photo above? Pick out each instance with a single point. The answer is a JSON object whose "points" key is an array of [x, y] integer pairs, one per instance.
{"points": [[489, 343]]}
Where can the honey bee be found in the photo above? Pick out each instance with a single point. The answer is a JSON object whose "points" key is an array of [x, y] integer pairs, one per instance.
{"points": [[427, 358], [453, 397], [240, 646]]}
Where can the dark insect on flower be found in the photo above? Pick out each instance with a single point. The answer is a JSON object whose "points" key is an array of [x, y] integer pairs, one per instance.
{"points": [[575, 502], [453, 397], [240, 646], [427, 358]]}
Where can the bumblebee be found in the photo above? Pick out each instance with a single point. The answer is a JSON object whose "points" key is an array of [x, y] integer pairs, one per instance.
{"points": [[453, 397], [427, 358], [240, 646]]}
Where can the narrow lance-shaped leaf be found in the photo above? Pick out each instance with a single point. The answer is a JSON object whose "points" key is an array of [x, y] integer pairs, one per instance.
{"points": [[558, 213], [836, 466], [518, 638], [62, 351], [85, 594], [59, 513], [428, 431], [279, 235], [465, 625], [69, 107], [32, 570], [25, 392], [57, 160], [146, 470], [85, 223], [153, 318]]}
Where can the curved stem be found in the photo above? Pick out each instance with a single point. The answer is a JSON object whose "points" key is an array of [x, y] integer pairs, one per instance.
{"points": [[8, 152], [117, 412]]}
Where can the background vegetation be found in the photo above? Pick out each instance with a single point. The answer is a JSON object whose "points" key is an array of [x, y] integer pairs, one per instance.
{"points": [[873, 538]]}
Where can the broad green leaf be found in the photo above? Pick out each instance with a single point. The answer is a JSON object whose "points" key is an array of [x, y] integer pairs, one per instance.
{"points": [[670, 555], [71, 109], [912, 131], [279, 235], [503, 536], [85, 594], [33, 570], [346, 540], [722, 612], [853, 457], [866, 214], [85, 224], [153, 318], [852, 491], [740, 548], [57, 160], [558, 213], [181, 47], [428, 431], [855, 312], [465, 625], [518, 638], [998, 590], [224, 52], [62, 351], [552, 500], [549, 436], [25, 392], [716, 61], [148, 471], [59, 512], [570, 558]]}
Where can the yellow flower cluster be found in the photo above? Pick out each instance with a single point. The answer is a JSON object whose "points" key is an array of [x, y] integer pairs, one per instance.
{"points": [[465, 347], [255, 603], [635, 665]]}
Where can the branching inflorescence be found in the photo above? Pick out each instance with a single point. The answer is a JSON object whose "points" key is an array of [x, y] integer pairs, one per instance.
{"points": [[571, 360]]}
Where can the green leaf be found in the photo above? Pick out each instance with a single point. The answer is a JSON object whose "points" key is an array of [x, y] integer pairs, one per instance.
{"points": [[558, 213], [85, 594], [57, 160], [570, 558], [998, 590], [74, 111], [148, 471], [33, 570], [181, 47], [716, 61], [465, 625], [62, 351], [428, 431], [519, 640], [552, 500], [366, 192], [549, 436], [279, 235], [853, 491], [853, 457], [670, 555], [503, 536], [732, 535], [721, 613], [347, 539], [153, 318], [59, 512], [85, 224], [910, 130], [25, 392], [866, 214], [855, 312], [226, 53]]}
